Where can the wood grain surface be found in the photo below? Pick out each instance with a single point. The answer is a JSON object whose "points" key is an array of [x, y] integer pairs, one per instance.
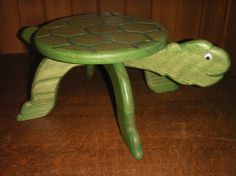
{"points": [[138, 8], [188, 132], [166, 13], [185, 19], [188, 19], [111, 6], [213, 20], [82, 6], [10, 22]]}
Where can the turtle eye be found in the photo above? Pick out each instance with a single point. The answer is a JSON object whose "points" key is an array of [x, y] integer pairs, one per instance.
{"points": [[208, 56]]}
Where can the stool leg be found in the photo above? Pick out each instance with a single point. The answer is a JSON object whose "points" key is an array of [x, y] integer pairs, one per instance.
{"points": [[44, 89], [90, 71], [125, 108]]}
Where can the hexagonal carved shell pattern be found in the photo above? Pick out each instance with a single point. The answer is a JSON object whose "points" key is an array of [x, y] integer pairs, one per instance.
{"points": [[95, 35]]}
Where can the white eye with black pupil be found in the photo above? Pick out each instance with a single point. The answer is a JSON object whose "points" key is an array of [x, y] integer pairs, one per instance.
{"points": [[208, 56]]}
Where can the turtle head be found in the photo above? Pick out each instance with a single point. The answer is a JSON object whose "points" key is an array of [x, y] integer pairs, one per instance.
{"points": [[199, 62]]}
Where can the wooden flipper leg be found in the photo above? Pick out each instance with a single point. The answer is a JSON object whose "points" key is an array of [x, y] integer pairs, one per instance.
{"points": [[159, 84], [44, 89], [125, 108], [156, 82]]}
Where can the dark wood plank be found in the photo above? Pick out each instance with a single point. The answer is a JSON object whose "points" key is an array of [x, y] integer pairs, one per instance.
{"points": [[139, 8], [188, 19], [212, 25], [111, 6], [82, 6], [230, 37], [188, 132], [165, 11], [57, 8], [10, 24], [185, 19], [31, 12]]}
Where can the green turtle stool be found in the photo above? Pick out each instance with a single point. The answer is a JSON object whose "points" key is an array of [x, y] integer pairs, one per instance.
{"points": [[116, 42]]}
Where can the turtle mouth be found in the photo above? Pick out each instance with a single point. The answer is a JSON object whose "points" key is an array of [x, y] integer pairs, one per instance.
{"points": [[215, 75]]}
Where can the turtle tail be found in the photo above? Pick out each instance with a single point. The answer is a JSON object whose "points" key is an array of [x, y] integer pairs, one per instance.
{"points": [[27, 33]]}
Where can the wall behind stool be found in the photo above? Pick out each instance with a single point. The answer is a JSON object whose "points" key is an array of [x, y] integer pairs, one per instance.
{"points": [[185, 19]]}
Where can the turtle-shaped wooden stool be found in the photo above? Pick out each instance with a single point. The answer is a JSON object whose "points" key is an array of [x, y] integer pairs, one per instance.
{"points": [[116, 42]]}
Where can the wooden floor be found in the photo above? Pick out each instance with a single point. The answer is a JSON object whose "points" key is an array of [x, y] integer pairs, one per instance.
{"points": [[190, 132]]}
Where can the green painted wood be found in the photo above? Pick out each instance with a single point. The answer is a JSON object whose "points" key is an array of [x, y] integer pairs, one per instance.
{"points": [[125, 108], [197, 62], [27, 33], [116, 41], [100, 38], [90, 71], [159, 84], [44, 89]]}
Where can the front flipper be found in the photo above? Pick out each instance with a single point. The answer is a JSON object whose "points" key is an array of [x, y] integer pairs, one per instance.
{"points": [[44, 89], [154, 69], [159, 84]]}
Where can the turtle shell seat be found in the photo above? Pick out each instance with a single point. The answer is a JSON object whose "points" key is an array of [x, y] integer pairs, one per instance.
{"points": [[100, 38]]}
